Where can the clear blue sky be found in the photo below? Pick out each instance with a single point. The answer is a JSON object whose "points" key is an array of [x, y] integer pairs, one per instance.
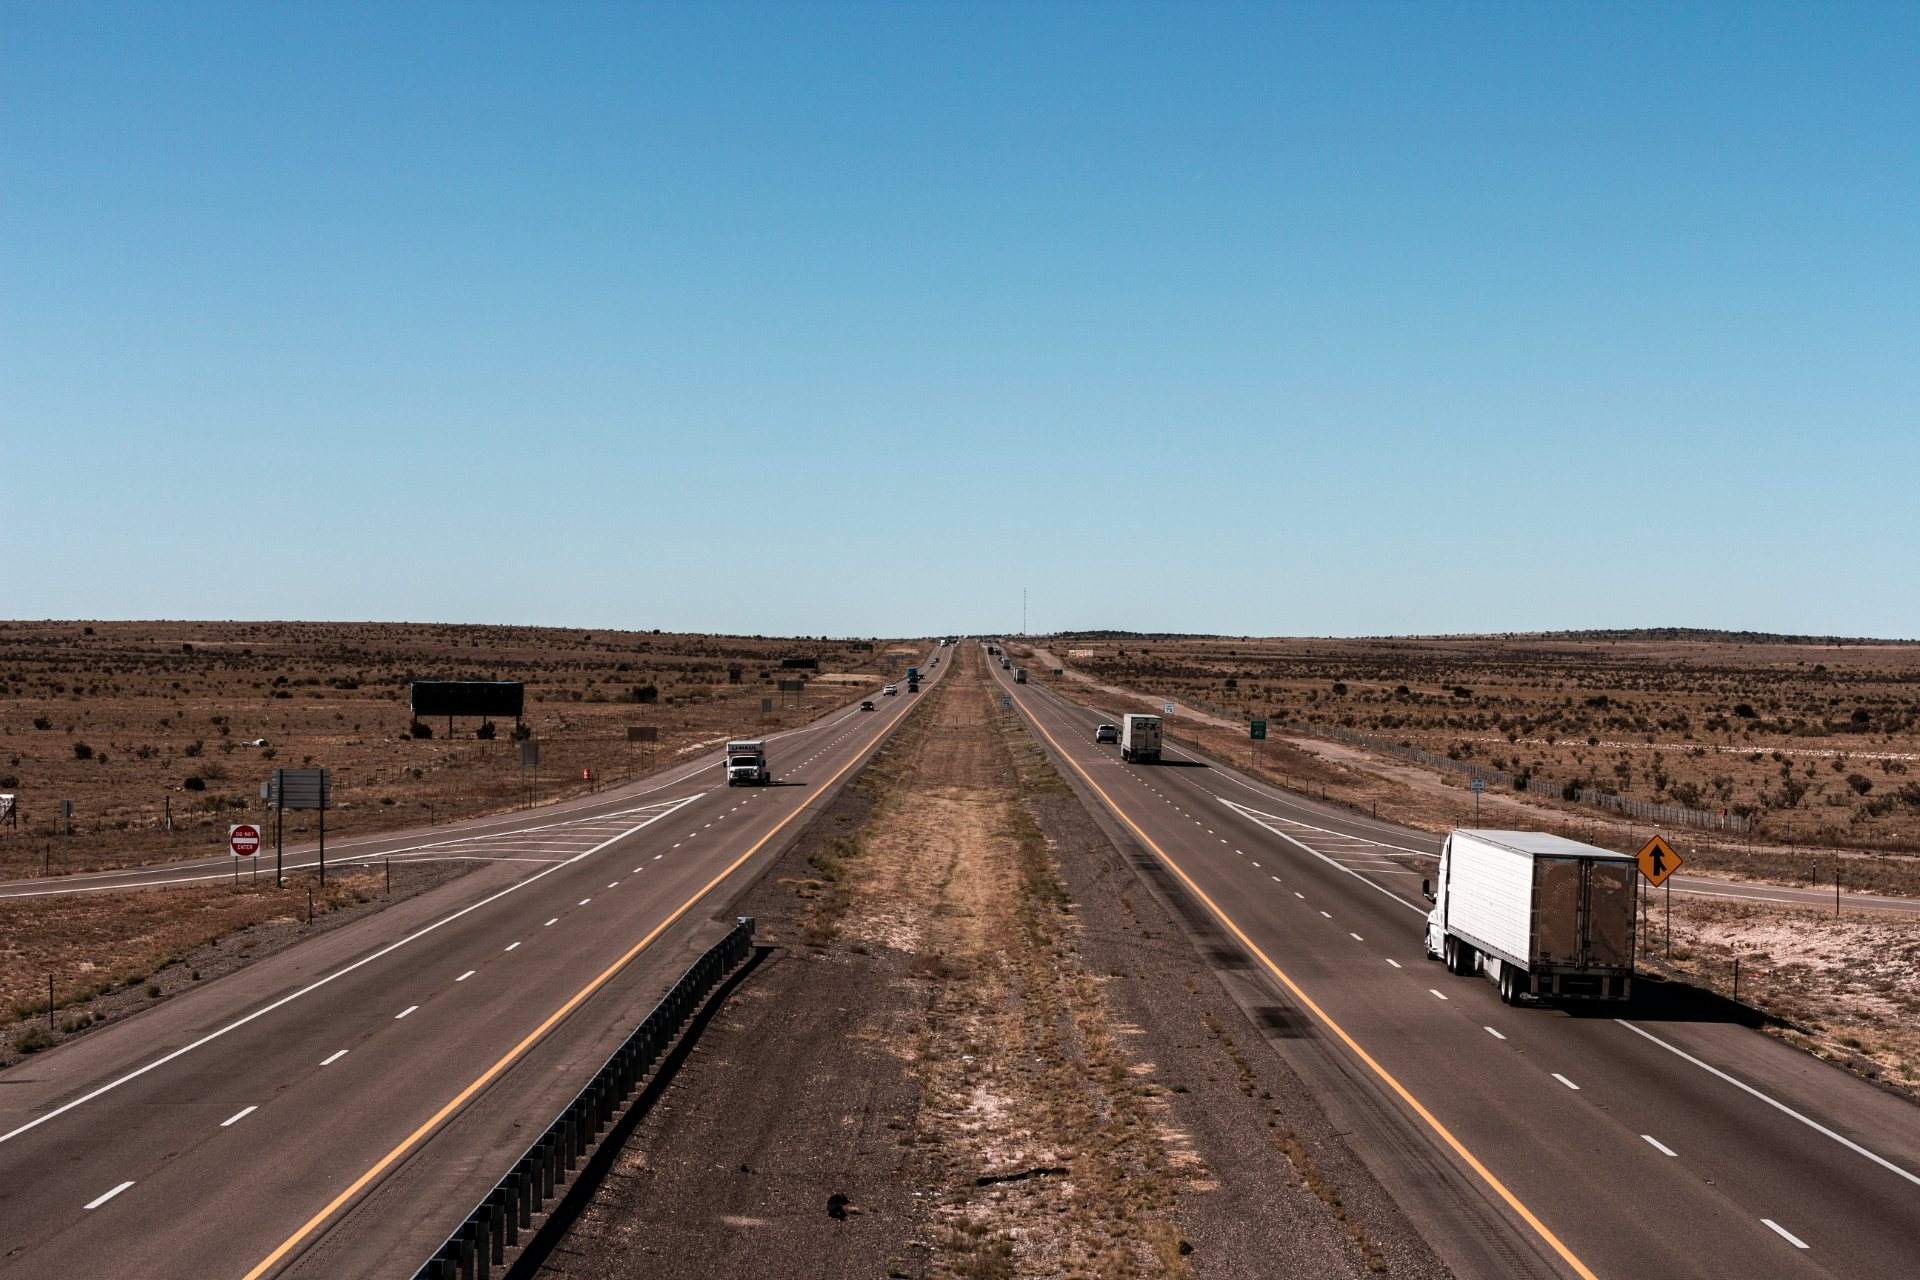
{"points": [[1278, 319]]}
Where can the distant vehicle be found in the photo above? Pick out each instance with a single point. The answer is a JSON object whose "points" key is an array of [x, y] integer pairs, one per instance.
{"points": [[255, 742], [913, 675], [1005, 665], [1140, 739], [1107, 733], [914, 687], [867, 705], [1019, 675], [1538, 914], [747, 763], [890, 691]]}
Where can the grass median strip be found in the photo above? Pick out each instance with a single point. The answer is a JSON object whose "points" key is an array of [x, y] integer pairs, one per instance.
{"points": [[1049, 1142]]}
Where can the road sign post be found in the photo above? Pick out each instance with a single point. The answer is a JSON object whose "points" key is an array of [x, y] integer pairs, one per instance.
{"points": [[1477, 786], [529, 759], [297, 789]]}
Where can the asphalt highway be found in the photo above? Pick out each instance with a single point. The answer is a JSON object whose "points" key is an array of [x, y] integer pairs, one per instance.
{"points": [[1660, 1139], [1426, 844], [334, 1109]]}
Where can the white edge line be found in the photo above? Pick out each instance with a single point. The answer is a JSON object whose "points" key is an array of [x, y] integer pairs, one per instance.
{"points": [[1777, 1105], [1254, 815], [311, 987]]}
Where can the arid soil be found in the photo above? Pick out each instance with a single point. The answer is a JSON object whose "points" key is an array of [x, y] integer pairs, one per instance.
{"points": [[133, 721], [943, 1068], [110, 955], [1423, 797], [1817, 740], [1845, 986]]}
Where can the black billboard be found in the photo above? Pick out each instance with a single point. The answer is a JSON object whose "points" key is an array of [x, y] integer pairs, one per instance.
{"points": [[467, 698]]}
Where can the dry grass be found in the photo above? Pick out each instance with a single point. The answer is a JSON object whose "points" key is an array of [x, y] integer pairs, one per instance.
{"points": [[1848, 987], [94, 944], [1052, 1143], [125, 718], [1818, 741], [1870, 848]]}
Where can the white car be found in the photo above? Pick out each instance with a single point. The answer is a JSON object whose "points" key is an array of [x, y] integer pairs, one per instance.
{"points": [[890, 691]]}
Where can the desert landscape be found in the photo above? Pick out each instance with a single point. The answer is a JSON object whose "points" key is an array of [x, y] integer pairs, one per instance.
{"points": [[161, 733], [1812, 741]]}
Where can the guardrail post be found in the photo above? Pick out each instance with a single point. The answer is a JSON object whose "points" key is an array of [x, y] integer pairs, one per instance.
{"points": [[467, 1250], [509, 1229]]}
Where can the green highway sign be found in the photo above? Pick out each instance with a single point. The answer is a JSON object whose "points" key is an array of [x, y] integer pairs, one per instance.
{"points": [[1257, 730]]}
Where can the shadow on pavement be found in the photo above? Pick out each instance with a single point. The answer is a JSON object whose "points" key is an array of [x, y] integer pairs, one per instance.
{"points": [[1662, 1000], [1182, 764]]}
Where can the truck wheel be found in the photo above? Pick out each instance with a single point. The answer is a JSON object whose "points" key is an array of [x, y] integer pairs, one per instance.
{"points": [[1458, 957], [1509, 984]]}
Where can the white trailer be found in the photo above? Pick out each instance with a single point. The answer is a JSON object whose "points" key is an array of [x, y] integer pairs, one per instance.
{"points": [[1538, 914], [747, 763], [1140, 738]]}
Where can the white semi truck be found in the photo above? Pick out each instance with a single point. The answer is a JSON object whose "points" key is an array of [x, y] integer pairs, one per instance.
{"points": [[1538, 914], [747, 763], [1140, 738]]}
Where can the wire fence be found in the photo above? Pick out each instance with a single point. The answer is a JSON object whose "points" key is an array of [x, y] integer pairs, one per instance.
{"points": [[1648, 811]]}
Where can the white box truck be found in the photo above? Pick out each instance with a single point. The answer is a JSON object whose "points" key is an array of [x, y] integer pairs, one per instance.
{"points": [[1140, 738], [1538, 914], [747, 763]]}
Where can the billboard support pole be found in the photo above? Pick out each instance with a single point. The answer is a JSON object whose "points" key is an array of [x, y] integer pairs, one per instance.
{"points": [[279, 829]]}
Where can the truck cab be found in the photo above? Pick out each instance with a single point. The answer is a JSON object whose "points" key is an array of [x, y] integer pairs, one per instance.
{"points": [[747, 763]]}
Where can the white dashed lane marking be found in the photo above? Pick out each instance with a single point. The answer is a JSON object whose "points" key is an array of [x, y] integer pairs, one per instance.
{"points": [[1784, 1234], [97, 1201]]}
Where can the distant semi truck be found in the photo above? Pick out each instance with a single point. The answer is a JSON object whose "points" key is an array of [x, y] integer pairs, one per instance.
{"points": [[1019, 675], [747, 763], [1538, 914], [1140, 739]]}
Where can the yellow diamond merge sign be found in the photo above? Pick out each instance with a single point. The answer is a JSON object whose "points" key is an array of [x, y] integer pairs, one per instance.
{"points": [[1658, 860]]}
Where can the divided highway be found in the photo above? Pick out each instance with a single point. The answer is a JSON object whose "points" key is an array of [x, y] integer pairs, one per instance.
{"points": [[1648, 1141], [334, 1109]]}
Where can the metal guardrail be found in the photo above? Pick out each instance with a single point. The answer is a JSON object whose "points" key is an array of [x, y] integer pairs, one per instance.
{"points": [[477, 1249]]}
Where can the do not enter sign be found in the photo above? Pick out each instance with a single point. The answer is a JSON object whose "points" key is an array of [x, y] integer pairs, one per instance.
{"points": [[244, 839]]}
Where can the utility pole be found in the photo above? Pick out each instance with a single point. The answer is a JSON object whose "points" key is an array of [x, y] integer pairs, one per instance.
{"points": [[1023, 611]]}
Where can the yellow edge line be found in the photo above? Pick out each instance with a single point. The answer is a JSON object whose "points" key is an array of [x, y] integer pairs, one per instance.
{"points": [[532, 1037], [1446, 1135]]}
